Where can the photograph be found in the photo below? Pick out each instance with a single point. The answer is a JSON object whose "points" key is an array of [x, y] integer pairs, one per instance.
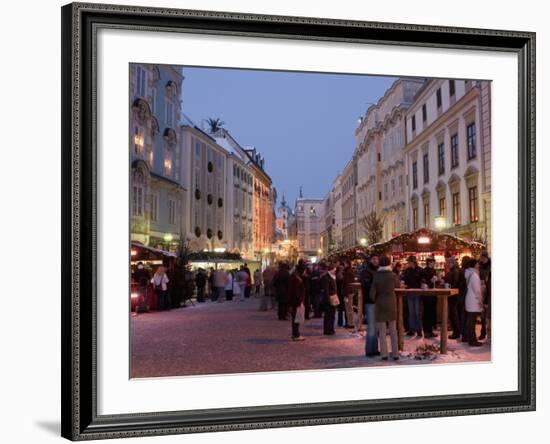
{"points": [[298, 220]]}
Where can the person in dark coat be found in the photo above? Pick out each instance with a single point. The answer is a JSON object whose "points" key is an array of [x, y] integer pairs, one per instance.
{"points": [[281, 283], [452, 278], [296, 296], [305, 275], [429, 316], [142, 277], [178, 283], [485, 276], [366, 277], [382, 291], [349, 278], [200, 282], [315, 291], [412, 277], [328, 288], [339, 273]]}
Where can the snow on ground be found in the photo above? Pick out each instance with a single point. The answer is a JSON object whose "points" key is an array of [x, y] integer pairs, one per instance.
{"points": [[234, 337]]}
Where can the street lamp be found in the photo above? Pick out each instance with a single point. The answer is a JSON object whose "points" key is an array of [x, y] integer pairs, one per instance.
{"points": [[440, 222], [363, 241], [167, 240]]}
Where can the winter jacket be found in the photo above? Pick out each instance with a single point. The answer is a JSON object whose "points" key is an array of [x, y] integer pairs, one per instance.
{"points": [[349, 278], [229, 285], [382, 291], [296, 291], [365, 277], [220, 279], [413, 277], [474, 298]]}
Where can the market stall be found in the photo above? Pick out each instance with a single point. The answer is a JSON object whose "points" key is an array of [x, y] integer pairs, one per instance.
{"points": [[424, 243], [151, 259]]}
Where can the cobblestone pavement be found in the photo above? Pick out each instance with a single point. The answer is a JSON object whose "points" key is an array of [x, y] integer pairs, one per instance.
{"points": [[235, 337]]}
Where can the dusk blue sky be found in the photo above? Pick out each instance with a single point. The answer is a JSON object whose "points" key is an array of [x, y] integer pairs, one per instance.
{"points": [[302, 123]]}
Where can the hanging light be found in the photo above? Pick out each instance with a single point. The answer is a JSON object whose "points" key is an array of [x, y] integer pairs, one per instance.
{"points": [[424, 240]]}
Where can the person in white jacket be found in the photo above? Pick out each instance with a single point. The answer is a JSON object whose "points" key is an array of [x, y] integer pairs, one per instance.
{"points": [[473, 303]]}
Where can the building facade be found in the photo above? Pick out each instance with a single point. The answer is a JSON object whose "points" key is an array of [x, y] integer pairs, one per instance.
{"points": [[348, 187], [308, 217], [380, 159], [447, 157], [206, 178], [157, 192]]}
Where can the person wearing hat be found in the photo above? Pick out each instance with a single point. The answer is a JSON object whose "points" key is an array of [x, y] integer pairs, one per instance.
{"points": [[430, 302], [412, 276]]}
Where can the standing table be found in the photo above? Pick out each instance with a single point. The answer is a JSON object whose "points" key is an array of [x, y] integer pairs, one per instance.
{"points": [[443, 293]]}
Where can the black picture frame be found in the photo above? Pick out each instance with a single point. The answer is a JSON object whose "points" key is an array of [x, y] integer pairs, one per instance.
{"points": [[80, 22]]}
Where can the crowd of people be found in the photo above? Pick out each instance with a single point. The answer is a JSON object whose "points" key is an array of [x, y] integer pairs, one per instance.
{"points": [[325, 290], [328, 290], [173, 284]]}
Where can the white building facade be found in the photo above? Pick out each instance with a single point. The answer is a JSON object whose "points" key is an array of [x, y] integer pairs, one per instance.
{"points": [[447, 158], [380, 159]]}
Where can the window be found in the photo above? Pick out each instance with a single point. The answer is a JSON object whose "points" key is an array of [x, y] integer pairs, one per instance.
{"points": [[426, 168], [473, 201], [438, 98], [139, 140], [171, 211], [137, 202], [154, 207], [451, 88], [401, 183], [427, 214], [441, 158], [471, 140], [415, 175], [169, 113], [168, 161], [154, 100], [456, 208], [413, 123], [454, 150], [393, 187], [424, 113], [415, 218], [385, 191], [442, 206], [141, 81]]}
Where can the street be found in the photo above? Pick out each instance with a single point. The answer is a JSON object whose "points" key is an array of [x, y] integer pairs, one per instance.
{"points": [[235, 337]]}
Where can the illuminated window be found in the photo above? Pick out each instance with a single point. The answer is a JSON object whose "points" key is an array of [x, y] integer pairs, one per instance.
{"points": [[415, 218], [442, 206], [473, 202], [139, 140], [456, 208]]}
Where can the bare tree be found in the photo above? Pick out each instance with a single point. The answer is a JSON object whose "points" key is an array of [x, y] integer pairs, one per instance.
{"points": [[373, 227]]}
